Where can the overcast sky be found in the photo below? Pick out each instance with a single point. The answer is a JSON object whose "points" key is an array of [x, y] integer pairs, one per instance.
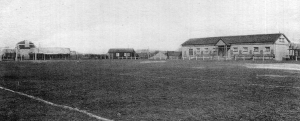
{"points": [[94, 26]]}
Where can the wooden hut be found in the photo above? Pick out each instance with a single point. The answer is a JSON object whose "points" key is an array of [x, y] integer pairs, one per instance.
{"points": [[121, 53]]}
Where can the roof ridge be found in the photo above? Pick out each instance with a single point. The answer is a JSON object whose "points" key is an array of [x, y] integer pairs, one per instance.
{"points": [[238, 35]]}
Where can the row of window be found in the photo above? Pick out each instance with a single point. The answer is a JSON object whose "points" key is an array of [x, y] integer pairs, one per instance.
{"points": [[255, 49], [205, 50], [125, 54]]}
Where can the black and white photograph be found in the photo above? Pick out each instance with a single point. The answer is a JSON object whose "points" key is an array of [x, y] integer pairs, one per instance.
{"points": [[149, 60]]}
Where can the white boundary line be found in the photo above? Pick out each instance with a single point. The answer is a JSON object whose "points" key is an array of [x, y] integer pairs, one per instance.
{"points": [[57, 105]]}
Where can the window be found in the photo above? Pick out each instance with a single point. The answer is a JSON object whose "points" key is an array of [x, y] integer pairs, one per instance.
{"points": [[126, 54], [255, 49], [235, 49], [206, 50], [267, 49], [117, 54], [214, 50], [191, 52], [281, 39], [245, 49], [198, 50]]}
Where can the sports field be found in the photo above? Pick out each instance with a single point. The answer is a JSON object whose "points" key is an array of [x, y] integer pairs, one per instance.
{"points": [[135, 90]]}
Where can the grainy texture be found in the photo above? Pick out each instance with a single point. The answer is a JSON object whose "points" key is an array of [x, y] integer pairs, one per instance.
{"points": [[131, 90]]}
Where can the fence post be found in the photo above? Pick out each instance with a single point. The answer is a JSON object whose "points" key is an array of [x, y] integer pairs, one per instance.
{"points": [[202, 57], [196, 57], [296, 58], [234, 57], [253, 57], [244, 57], [263, 57]]}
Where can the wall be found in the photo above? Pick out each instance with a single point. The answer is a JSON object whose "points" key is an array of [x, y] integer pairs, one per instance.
{"points": [[24, 53], [251, 48], [281, 48], [202, 51]]}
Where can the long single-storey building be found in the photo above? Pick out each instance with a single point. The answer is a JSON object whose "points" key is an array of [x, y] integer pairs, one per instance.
{"points": [[271, 45], [50, 53]]}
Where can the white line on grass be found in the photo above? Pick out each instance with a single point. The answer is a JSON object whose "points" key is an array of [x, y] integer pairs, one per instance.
{"points": [[57, 105], [274, 86]]}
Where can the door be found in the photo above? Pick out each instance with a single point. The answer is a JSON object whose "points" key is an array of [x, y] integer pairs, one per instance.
{"points": [[221, 51]]}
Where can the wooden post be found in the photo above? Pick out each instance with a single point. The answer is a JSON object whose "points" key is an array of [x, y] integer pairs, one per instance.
{"points": [[244, 57], [196, 57], [16, 53], [202, 57], [263, 57], [226, 51], [296, 58], [35, 55], [234, 57]]}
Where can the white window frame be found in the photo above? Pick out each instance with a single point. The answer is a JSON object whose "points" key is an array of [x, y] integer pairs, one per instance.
{"points": [[214, 49], [281, 40], [268, 50], [255, 49], [206, 50], [118, 54], [235, 49], [245, 49], [198, 50]]}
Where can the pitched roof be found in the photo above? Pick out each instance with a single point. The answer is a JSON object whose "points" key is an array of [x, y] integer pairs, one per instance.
{"points": [[23, 42], [123, 50], [258, 38]]}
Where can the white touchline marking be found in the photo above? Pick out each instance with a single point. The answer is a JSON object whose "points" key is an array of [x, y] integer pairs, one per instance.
{"points": [[261, 85], [57, 105]]}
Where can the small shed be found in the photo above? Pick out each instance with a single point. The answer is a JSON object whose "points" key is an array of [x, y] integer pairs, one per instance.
{"points": [[116, 53], [160, 55]]}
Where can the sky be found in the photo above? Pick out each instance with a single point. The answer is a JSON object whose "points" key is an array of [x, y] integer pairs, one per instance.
{"points": [[94, 26]]}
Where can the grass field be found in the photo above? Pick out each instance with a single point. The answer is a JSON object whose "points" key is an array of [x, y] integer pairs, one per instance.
{"points": [[136, 90]]}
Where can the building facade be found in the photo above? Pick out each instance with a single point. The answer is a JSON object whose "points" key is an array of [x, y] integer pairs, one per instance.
{"points": [[116, 53], [272, 45]]}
